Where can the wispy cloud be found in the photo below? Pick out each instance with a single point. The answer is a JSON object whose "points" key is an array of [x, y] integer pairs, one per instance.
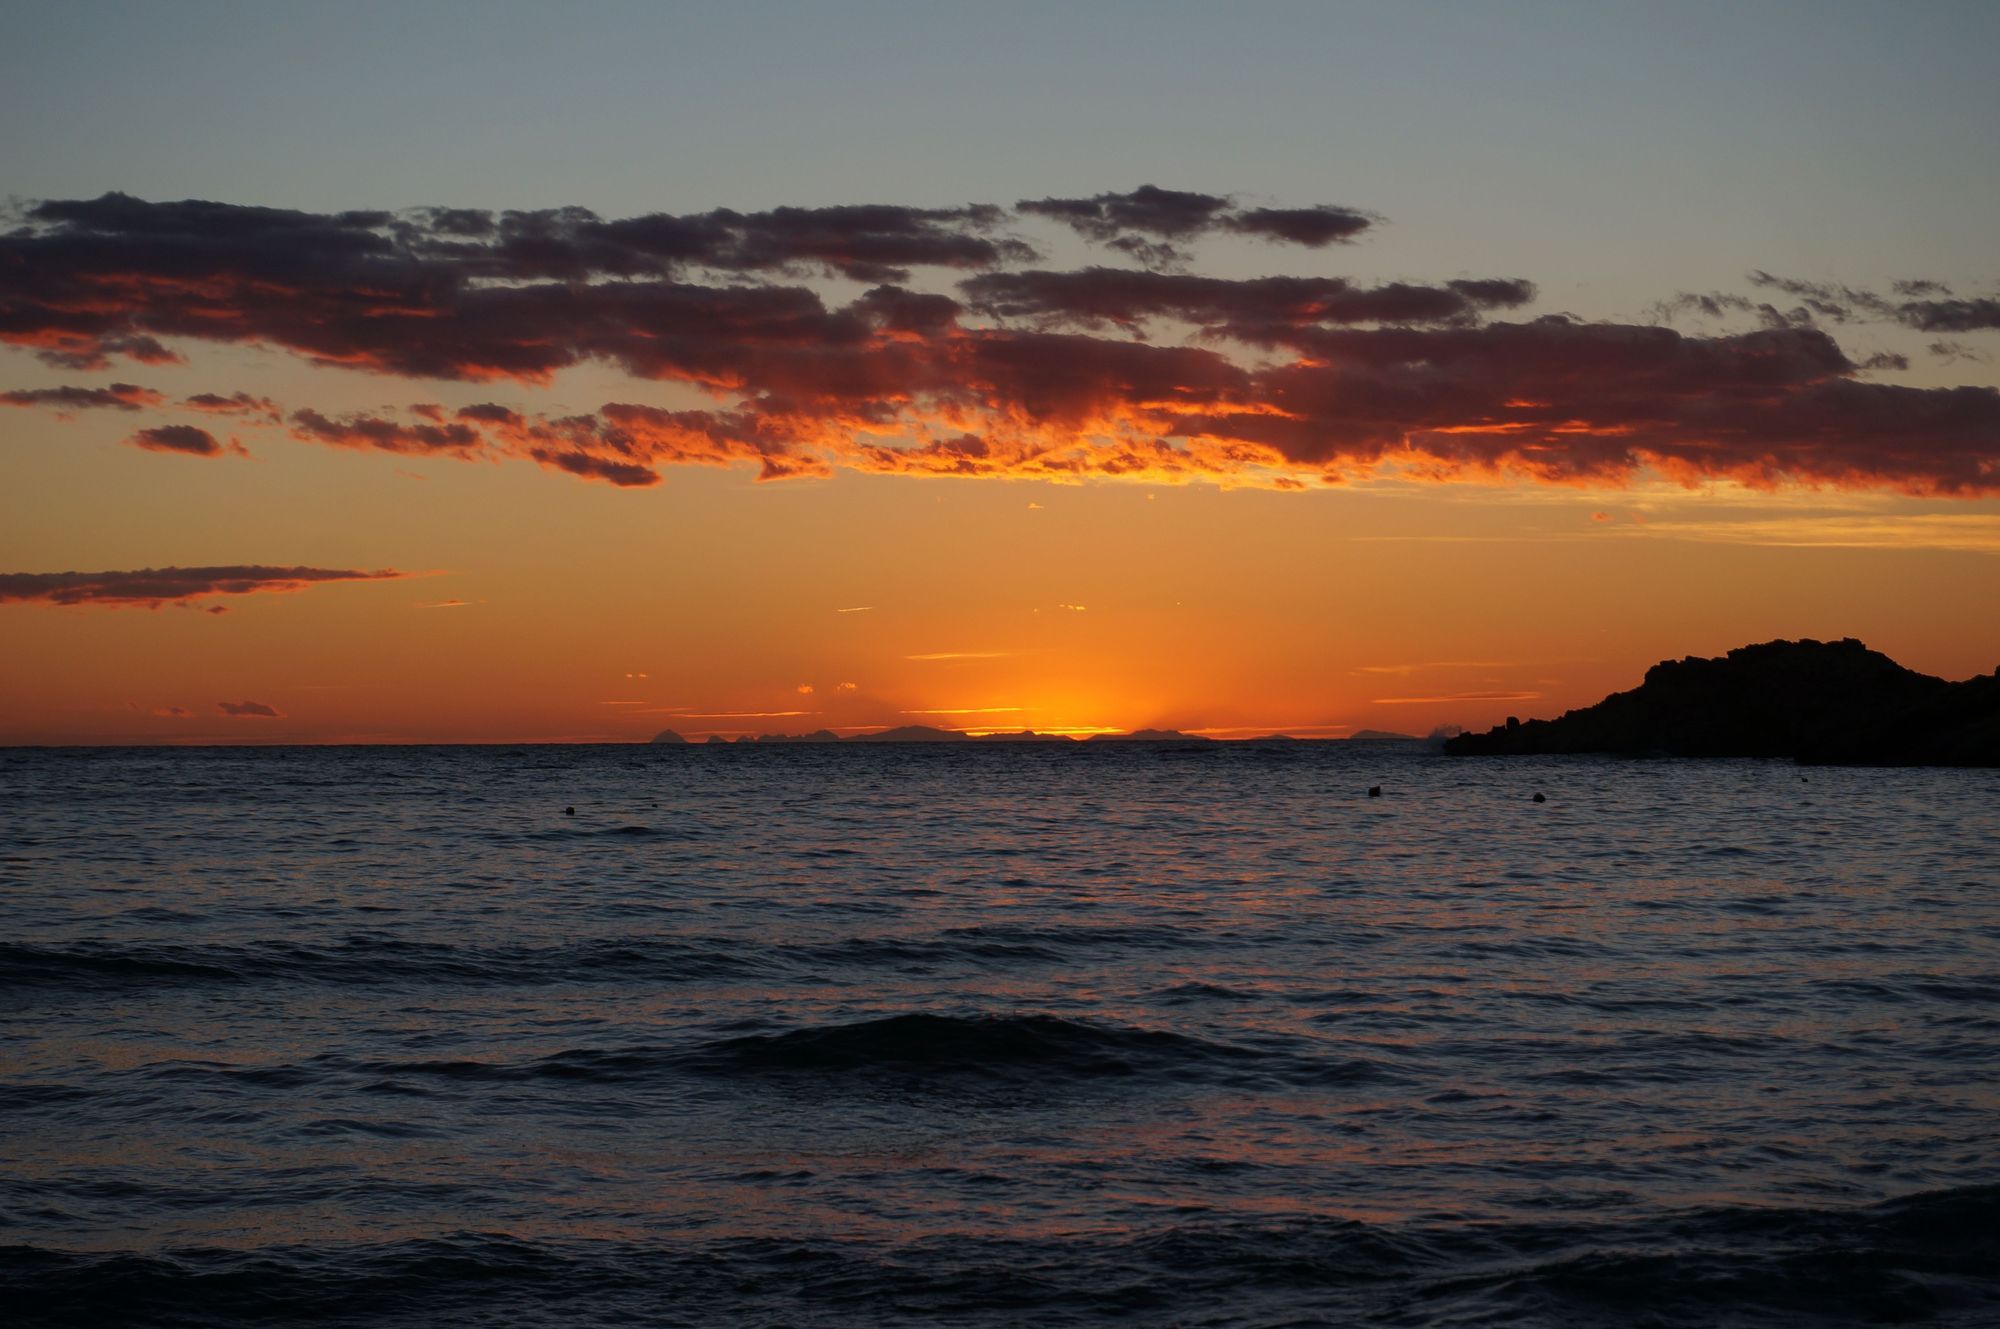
{"points": [[153, 587], [1406, 669], [1963, 532], [962, 655], [854, 609], [965, 710], [64, 400], [250, 710], [1456, 696], [732, 715]]}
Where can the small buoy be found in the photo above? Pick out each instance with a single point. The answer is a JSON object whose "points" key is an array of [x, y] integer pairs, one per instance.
{"points": [[1374, 791], [1541, 798], [569, 812]]}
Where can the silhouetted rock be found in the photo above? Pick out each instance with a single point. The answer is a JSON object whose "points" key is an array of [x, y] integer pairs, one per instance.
{"points": [[816, 736], [912, 733], [715, 738], [1023, 736], [1381, 736], [668, 736], [1830, 702], [1151, 736]]}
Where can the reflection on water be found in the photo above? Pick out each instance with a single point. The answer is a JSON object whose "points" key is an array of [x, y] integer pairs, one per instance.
{"points": [[995, 1035]]}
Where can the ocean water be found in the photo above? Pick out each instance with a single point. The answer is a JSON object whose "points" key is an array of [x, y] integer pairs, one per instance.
{"points": [[883, 1036]]}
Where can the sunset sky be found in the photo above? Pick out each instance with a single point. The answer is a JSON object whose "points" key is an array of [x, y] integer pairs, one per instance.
{"points": [[514, 373]]}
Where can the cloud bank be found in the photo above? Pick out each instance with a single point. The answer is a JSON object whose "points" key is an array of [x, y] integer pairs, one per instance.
{"points": [[821, 349]]}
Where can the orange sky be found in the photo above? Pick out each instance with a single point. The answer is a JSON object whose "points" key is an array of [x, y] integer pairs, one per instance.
{"points": [[552, 606], [1396, 590]]}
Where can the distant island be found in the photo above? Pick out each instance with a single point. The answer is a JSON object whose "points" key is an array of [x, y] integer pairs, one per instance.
{"points": [[922, 733], [1817, 702]]}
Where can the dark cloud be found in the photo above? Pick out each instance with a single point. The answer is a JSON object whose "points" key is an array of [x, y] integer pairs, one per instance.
{"points": [[187, 439], [384, 435], [1260, 309], [1828, 300], [1570, 401], [1951, 315], [96, 353], [622, 473], [1170, 214], [153, 587], [1722, 305], [445, 294], [1146, 222], [255, 710], [1936, 311], [117, 397], [1958, 350], [913, 312], [1314, 228], [236, 403], [491, 413]]}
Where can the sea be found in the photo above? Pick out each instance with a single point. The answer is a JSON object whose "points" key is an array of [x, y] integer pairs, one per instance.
{"points": [[1022, 1035]]}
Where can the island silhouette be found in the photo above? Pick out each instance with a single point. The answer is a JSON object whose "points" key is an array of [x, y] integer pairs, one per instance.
{"points": [[923, 733], [1834, 702]]}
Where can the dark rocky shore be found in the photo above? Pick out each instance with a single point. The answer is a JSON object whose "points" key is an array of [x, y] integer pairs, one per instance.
{"points": [[1820, 702]]}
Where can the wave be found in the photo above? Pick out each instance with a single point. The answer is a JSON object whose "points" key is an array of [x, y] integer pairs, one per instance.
{"points": [[994, 1045], [375, 960], [1932, 1258], [1041, 1048], [1049, 1054], [365, 961], [1003, 944]]}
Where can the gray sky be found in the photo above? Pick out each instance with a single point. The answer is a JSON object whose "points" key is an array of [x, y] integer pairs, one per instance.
{"points": [[1613, 152]]}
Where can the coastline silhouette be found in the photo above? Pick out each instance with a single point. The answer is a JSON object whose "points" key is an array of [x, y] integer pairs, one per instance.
{"points": [[1835, 703]]}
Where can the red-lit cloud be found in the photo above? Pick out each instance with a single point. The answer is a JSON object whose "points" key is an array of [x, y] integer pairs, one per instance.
{"points": [[117, 397], [236, 403], [1010, 370], [153, 587], [383, 435]]}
